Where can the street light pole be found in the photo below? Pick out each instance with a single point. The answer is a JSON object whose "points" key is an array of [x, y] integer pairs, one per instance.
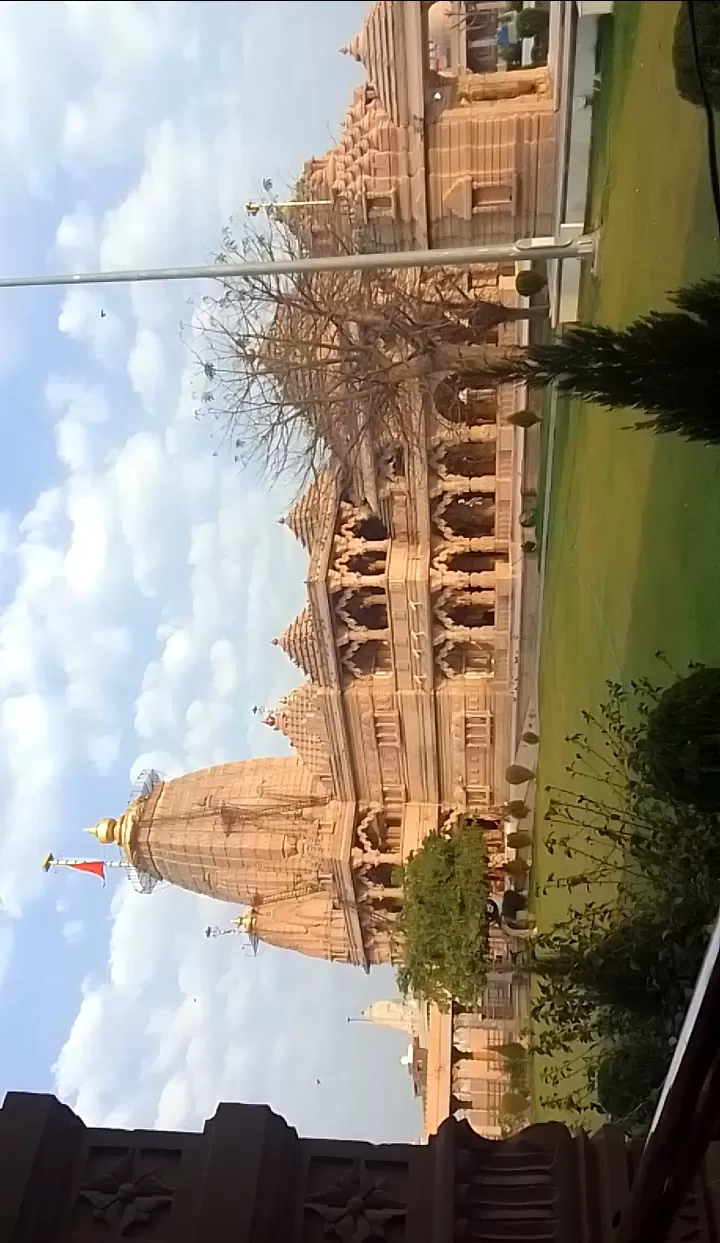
{"points": [[464, 256]]}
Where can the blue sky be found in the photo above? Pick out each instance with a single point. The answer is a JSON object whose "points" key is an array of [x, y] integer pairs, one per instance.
{"points": [[141, 577]]}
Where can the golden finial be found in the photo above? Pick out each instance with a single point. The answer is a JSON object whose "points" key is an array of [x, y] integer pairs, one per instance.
{"points": [[104, 831]]}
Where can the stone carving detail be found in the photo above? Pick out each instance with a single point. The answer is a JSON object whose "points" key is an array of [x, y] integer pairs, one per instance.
{"points": [[517, 1190], [357, 1207], [126, 1195]]}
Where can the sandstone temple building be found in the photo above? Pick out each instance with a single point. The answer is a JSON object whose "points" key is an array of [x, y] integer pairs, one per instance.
{"points": [[410, 642]]}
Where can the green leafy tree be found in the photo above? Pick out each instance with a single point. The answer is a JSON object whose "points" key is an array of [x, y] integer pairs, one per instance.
{"points": [[666, 364], [619, 970], [442, 926]]}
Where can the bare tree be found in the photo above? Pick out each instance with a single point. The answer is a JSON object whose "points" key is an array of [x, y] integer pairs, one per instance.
{"points": [[306, 369]]}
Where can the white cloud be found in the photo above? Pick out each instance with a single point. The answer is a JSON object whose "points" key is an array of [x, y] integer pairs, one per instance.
{"points": [[73, 445], [147, 369], [224, 668], [103, 752], [84, 317], [75, 238], [146, 501], [6, 949], [147, 577], [73, 930], [76, 400]]}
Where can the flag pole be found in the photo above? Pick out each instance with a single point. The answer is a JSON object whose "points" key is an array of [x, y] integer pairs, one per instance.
{"points": [[96, 867]]}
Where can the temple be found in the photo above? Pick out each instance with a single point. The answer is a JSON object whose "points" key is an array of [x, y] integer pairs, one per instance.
{"points": [[413, 640]]}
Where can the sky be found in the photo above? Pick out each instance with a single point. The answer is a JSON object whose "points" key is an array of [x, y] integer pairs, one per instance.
{"points": [[143, 573]]}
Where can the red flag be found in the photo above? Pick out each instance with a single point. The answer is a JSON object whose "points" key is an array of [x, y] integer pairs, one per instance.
{"points": [[95, 867]]}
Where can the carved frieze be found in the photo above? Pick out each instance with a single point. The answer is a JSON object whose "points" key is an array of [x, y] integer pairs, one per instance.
{"points": [[356, 1206], [123, 1196]]}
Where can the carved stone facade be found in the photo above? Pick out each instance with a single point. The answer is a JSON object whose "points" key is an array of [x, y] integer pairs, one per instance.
{"points": [[248, 1178], [442, 146]]}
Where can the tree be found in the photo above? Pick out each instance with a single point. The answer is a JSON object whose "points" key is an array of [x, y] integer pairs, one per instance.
{"points": [[707, 16], [442, 927], [666, 363], [305, 369], [620, 968], [532, 22], [681, 746], [628, 1079]]}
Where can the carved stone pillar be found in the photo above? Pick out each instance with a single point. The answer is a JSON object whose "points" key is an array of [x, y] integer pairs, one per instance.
{"points": [[484, 636], [462, 580], [363, 634], [471, 543], [338, 579], [357, 546], [463, 433], [370, 858], [458, 484], [468, 598]]}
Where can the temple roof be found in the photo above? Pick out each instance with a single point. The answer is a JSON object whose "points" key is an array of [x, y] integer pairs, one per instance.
{"points": [[379, 48], [300, 644], [301, 718], [343, 172], [306, 519]]}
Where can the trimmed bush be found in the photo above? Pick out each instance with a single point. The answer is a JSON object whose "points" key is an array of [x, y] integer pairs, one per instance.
{"points": [[529, 282], [517, 808], [520, 840], [516, 774], [531, 737], [708, 27], [532, 22], [524, 418], [681, 749]]}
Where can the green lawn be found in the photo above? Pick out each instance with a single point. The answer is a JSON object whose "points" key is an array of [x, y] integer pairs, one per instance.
{"points": [[633, 559]]}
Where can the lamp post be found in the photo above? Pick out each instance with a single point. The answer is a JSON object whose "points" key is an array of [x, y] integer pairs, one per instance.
{"points": [[463, 256]]}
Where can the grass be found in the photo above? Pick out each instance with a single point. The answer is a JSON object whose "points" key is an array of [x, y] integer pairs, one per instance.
{"points": [[634, 523]]}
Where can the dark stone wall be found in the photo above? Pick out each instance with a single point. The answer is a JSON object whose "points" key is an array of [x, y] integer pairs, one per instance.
{"points": [[248, 1178]]}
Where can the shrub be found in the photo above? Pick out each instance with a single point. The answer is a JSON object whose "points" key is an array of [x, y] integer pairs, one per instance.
{"points": [[519, 840], [708, 27], [531, 737], [524, 418], [529, 282], [443, 922], [514, 1105], [532, 22], [511, 54], [513, 1051], [513, 903], [628, 1079], [681, 749], [517, 807], [516, 867], [516, 774]]}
